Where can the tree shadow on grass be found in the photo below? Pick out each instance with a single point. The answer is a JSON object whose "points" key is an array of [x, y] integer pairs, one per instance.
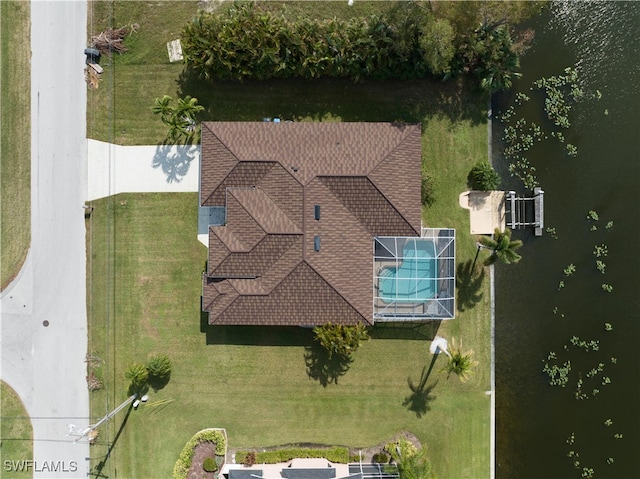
{"points": [[97, 470], [421, 331], [325, 369], [158, 382], [320, 99], [469, 284], [420, 397]]}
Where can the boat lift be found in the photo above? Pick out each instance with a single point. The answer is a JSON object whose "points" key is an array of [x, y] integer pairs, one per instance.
{"points": [[523, 212]]}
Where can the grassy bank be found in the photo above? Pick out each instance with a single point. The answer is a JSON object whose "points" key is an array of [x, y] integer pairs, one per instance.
{"points": [[15, 138], [144, 290], [16, 433]]}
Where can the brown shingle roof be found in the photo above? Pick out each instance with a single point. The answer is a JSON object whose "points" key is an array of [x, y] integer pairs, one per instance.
{"points": [[365, 178]]}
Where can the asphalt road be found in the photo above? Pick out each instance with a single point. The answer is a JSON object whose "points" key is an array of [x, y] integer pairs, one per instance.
{"points": [[45, 364]]}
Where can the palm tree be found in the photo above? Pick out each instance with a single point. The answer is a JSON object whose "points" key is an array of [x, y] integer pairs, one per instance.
{"points": [[138, 376], [162, 107], [460, 363], [502, 247]]}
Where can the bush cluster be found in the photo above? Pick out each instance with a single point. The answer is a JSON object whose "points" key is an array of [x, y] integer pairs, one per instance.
{"points": [[182, 465], [249, 42], [210, 465], [483, 177], [336, 454]]}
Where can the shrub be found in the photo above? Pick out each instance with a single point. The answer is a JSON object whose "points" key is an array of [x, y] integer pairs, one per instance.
{"points": [[249, 459], [138, 375], [337, 454], [427, 192], [210, 465], [340, 339], [380, 458], [483, 177], [159, 369]]}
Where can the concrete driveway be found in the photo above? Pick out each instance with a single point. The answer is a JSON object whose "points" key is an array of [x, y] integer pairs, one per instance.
{"points": [[43, 322]]}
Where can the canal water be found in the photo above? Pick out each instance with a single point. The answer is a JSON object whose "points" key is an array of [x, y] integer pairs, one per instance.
{"points": [[544, 430]]}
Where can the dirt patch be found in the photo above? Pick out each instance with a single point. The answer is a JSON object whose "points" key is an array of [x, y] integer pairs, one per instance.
{"points": [[200, 453]]}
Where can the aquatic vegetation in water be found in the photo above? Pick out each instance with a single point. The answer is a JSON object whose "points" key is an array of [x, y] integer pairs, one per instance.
{"points": [[569, 270], [601, 266], [608, 327], [551, 232], [587, 472], [592, 345], [609, 225], [596, 370], [606, 287], [593, 215], [558, 375], [608, 422], [600, 250], [560, 92]]}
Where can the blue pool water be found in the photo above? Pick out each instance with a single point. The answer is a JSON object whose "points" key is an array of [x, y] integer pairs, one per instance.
{"points": [[414, 280]]}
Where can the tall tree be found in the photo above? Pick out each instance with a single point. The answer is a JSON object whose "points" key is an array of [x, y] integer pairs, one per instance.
{"points": [[436, 43], [501, 247], [180, 119]]}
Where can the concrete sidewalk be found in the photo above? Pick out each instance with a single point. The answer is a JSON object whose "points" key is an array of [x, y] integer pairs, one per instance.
{"points": [[114, 169]]}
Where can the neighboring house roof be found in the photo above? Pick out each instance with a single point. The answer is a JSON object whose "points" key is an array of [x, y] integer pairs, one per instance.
{"points": [[264, 267]]}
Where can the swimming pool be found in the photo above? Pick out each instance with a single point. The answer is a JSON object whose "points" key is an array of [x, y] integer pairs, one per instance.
{"points": [[416, 277]]}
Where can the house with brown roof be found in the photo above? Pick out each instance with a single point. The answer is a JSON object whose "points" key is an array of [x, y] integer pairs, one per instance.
{"points": [[304, 210]]}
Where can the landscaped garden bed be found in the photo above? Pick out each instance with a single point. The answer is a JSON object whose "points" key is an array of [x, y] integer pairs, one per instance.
{"points": [[203, 456]]}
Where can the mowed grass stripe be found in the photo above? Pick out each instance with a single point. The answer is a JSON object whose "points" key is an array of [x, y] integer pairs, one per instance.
{"points": [[15, 138]]}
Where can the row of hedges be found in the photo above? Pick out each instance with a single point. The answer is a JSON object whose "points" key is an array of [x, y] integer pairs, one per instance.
{"points": [[334, 454], [183, 463], [248, 42]]}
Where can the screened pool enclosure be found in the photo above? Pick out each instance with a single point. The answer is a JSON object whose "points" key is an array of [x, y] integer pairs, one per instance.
{"points": [[414, 277]]}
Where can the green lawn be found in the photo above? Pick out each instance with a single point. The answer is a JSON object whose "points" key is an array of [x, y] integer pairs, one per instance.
{"points": [[16, 433], [15, 138], [145, 266], [144, 287], [145, 296]]}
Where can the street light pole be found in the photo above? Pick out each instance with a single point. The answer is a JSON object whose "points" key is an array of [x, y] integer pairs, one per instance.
{"points": [[81, 433]]}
